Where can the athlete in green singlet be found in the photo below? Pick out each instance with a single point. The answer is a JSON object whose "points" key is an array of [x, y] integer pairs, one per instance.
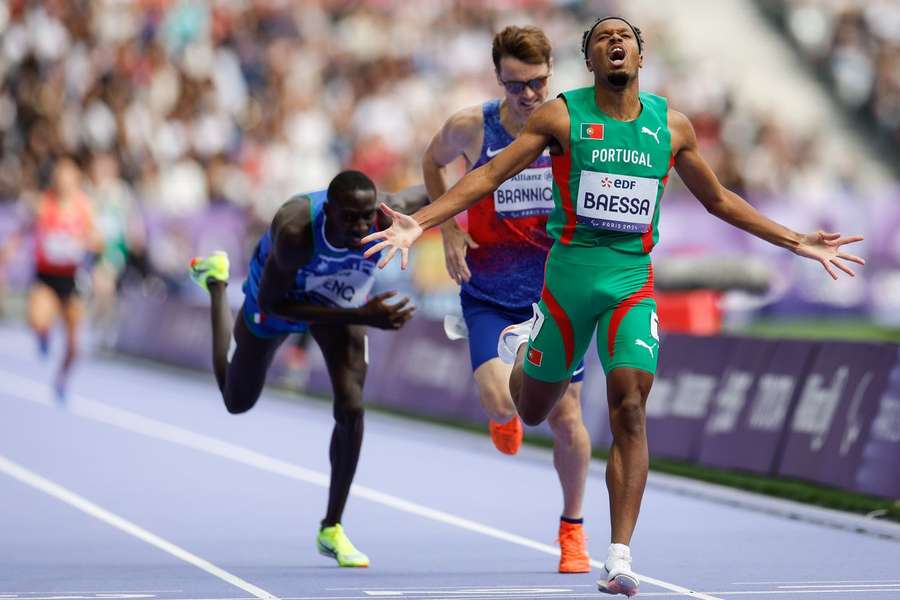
{"points": [[612, 148]]}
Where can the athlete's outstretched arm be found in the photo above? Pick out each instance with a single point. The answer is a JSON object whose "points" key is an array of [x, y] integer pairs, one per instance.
{"points": [[292, 247], [462, 131], [728, 206], [541, 130]]}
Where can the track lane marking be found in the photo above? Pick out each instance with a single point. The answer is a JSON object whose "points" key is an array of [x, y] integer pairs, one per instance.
{"points": [[63, 494], [31, 390]]}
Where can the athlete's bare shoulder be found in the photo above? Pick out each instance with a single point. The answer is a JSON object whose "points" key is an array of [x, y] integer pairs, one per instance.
{"points": [[465, 124], [462, 134], [551, 120], [681, 130], [292, 239]]}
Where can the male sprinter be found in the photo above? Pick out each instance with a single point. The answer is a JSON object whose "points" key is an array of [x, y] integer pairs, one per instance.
{"points": [[308, 272], [499, 262], [612, 148]]}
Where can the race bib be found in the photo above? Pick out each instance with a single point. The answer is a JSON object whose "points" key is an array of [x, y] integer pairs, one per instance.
{"points": [[527, 194], [62, 248], [347, 289], [616, 202]]}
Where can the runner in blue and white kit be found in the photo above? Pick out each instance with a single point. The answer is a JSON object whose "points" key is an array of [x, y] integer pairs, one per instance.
{"points": [[308, 273]]}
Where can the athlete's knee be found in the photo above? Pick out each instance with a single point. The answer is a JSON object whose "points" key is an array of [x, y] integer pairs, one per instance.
{"points": [[627, 415], [532, 413], [565, 423], [239, 400], [237, 406], [349, 414], [497, 402]]}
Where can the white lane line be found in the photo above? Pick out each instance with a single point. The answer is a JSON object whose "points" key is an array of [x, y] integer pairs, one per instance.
{"points": [[82, 596], [833, 586], [822, 581], [566, 587], [136, 423], [60, 493], [96, 592]]}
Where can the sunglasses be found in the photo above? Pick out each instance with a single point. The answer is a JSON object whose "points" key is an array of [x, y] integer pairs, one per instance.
{"points": [[517, 87]]}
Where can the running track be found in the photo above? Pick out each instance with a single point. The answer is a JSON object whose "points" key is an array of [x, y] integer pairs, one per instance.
{"points": [[145, 488]]}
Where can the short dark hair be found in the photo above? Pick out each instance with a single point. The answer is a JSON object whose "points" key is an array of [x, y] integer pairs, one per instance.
{"points": [[349, 181], [586, 36], [528, 44]]}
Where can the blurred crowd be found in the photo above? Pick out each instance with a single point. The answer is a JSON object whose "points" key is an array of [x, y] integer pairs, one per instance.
{"points": [[173, 106], [857, 42]]}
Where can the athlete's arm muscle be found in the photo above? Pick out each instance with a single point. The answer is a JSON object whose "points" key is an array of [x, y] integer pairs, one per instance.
{"points": [[542, 129], [457, 138], [719, 201], [462, 135], [731, 208], [292, 246]]}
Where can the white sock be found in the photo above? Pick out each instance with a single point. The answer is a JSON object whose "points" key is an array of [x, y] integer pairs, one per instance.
{"points": [[619, 550]]}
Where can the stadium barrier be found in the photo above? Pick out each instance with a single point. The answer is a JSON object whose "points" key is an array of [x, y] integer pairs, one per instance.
{"points": [[822, 411]]}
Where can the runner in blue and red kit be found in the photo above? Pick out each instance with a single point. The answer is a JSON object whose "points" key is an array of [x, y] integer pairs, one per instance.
{"points": [[499, 261]]}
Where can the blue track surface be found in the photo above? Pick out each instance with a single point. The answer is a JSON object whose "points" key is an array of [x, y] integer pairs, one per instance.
{"points": [[440, 513]]}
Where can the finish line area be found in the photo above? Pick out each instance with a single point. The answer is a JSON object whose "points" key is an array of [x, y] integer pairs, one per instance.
{"points": [[143, 487]]}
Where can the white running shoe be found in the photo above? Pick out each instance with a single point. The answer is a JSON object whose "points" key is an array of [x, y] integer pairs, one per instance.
{"points": [[617, 576], [455, 327], [512, 338]]}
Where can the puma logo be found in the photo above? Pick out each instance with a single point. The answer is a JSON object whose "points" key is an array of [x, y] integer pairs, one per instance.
{"points": [[644, 344], [653, 134]]}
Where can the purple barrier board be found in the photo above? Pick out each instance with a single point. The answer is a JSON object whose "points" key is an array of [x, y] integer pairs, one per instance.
{"points": [[835, 411], [427, 373], [380, 345], [679, 403], [879, 471], [172, 332], [755, 397], [822, 411]]}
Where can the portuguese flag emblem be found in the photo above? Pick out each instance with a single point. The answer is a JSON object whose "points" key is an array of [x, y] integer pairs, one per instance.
{"points": [[592, 131]]}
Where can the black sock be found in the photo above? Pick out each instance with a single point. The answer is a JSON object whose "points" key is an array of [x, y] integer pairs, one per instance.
{"points": [[572, 521]]}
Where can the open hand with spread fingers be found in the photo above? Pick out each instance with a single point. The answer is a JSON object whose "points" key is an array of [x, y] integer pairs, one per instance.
{"points": [[404, 230], [826, 248]]}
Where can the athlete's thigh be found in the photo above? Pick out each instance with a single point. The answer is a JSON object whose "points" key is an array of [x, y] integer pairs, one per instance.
{"points": [[484, 322], [345, 349], [628, 332], [492, 378], [627, 382], [43, 306], [564, 323], [248, 366]]}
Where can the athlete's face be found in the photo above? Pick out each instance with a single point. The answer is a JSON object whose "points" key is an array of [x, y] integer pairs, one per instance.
{"points": [[66, 177], [613, 53], [525, 85], [350, 217]]}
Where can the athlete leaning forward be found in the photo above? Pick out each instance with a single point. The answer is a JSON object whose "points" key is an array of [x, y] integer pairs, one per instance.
{"points": [[499, 262], [308, 273], [612, 147]]}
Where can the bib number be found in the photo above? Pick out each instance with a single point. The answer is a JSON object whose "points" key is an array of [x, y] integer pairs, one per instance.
{"points": [[616, 202], [528, 194], [347, 289], [61, 248]]}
